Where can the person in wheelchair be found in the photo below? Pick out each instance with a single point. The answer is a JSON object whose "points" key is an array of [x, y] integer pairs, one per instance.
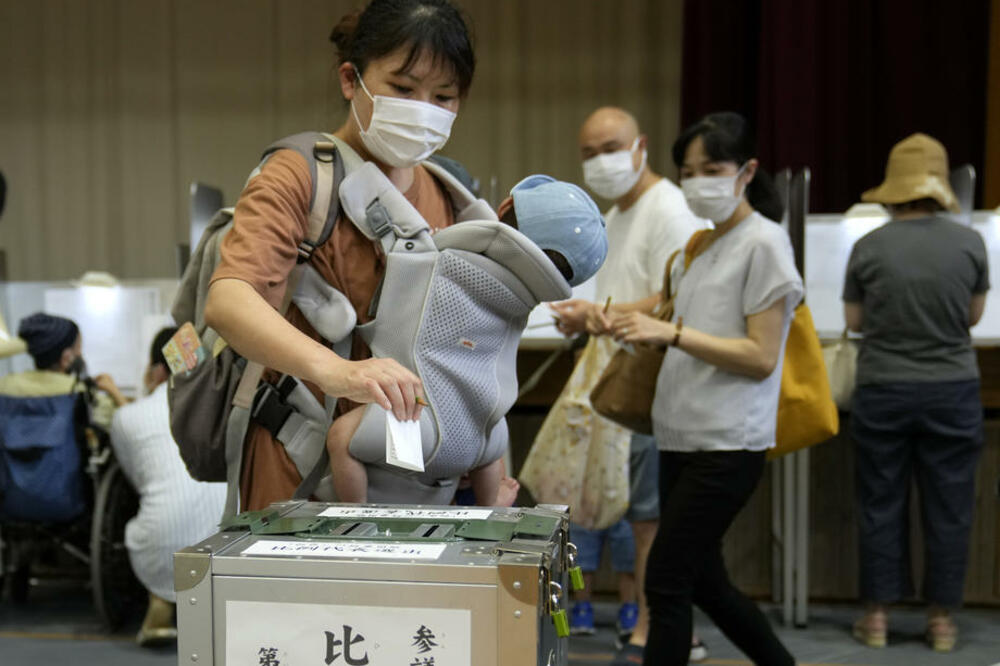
{"points": [[42, 416], [174, 509], [55, 344]]}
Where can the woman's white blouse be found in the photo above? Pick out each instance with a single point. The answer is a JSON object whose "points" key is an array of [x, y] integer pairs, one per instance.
{"points": [[699, 406]]}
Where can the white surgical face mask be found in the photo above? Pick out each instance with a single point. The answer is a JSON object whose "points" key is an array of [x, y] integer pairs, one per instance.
{"points": [[403, 132], [611, 175], [712, 197]]}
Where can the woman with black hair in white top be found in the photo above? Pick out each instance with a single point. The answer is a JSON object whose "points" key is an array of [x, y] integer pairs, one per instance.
{"points": [[716, 401]]}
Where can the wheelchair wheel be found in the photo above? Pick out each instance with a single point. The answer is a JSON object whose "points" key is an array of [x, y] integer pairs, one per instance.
{"points": [[118, 594]]}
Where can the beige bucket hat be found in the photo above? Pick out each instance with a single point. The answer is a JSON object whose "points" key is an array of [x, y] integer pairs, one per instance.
{"points": [[917, 169]]}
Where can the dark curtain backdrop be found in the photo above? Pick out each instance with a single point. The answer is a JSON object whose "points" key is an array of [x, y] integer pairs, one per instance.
{"points": [[833, 85]]}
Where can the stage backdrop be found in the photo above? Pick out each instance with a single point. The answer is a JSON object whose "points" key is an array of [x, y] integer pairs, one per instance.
{"points": [[833, 85]]}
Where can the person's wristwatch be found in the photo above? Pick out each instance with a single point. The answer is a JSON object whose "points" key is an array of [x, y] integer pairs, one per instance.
{"points": [[677, 332]]}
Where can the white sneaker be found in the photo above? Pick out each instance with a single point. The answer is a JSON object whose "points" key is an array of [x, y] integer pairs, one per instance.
{"points": [[699, 651]]}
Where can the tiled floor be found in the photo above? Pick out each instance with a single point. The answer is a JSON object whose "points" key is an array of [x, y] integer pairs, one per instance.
{"points": [[58, 626]]}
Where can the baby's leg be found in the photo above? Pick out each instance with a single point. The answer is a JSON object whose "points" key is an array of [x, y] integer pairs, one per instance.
{"points": [[350, 480], [491, 485]]}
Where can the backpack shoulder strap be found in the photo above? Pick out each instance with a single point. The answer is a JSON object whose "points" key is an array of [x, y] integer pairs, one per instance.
{"points": [[327, 169], [467, 206]]}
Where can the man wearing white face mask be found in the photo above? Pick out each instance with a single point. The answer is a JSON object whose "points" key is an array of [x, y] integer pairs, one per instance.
{"points": [[647, 223]]}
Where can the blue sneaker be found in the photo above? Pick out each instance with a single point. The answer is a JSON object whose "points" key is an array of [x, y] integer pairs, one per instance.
{"points": [[581, 619], [628, 615]]}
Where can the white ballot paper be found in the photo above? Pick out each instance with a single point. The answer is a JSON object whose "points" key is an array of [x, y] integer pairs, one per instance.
{"points": [[403, 447]]}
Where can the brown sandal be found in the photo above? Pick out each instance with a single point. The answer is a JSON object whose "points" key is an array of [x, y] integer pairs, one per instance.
{"points": [[872, 628], [941, 633]]}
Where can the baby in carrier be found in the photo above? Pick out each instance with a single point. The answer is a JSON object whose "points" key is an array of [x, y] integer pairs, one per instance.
{"points": [[565, 224]]}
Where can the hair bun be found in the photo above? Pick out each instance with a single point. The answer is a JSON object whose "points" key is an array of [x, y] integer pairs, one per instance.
{"points": [[343, 34]]}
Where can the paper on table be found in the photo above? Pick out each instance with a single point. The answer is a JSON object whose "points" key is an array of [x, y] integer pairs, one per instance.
{"points": [[403, 447]]}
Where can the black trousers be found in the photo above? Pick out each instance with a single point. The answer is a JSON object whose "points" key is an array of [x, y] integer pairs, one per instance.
{"points": [[700, 495], [932, 432]]}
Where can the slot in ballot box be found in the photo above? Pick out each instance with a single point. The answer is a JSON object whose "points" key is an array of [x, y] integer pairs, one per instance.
{"points": [[308, 583]]}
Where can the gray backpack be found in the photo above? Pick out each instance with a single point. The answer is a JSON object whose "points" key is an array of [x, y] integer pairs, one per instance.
{"points": [[211, 405]]}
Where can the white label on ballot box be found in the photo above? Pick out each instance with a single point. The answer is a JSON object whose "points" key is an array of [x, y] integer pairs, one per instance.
{"points": [[348, 549], [385, 512], [279, 634]]}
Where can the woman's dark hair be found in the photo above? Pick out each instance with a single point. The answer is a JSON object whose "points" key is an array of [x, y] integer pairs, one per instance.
{"points": [[426, 26], [925, 205], [728, 138]]}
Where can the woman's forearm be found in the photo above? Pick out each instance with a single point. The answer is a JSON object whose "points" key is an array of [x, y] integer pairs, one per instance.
{"points": [[644, 305], [755, 355], [742, 356], [257, 331]]}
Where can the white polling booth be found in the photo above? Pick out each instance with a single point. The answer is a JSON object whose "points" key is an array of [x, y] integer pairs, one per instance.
{"points": [[829, 239]]}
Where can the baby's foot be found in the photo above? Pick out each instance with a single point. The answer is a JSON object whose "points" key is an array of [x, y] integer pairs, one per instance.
{"points": [[507, 493]]}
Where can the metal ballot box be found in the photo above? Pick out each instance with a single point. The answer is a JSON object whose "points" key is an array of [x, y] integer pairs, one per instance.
{"points": [[307, 583]]}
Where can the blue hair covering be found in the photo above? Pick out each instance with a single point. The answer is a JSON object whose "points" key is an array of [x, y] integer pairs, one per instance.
{"points": [[47, 336]]}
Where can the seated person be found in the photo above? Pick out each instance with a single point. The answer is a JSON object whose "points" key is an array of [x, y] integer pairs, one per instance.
{"points": [[175, 511], [562, 221], [56, 346]]}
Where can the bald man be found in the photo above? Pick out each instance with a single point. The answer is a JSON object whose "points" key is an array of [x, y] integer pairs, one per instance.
{"points": [[648, 221]]}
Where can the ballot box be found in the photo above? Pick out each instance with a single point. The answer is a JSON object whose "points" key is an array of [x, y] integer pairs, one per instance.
{"points": [[308, 583]]}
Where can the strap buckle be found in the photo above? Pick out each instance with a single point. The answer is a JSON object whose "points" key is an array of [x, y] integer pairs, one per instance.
{"points": [[306, 250], [269, 407], [379, 220]]}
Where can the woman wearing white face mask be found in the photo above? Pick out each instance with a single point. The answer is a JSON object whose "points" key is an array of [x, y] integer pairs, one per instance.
{"points": [[716, 399], [404, 66]]}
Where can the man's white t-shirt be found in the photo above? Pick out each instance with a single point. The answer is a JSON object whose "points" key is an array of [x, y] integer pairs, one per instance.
{"points": [[641, 239]]}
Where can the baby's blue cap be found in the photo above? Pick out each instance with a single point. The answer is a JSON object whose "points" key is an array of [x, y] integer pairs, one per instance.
{"points": [[561, 217]]}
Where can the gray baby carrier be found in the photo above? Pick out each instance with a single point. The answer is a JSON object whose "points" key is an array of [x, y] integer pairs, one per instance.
{"points": [[451, 308]]}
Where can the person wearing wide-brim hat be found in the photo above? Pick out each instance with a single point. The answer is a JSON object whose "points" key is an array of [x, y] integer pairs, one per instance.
{"points": [[914, 287], [917, 172]]}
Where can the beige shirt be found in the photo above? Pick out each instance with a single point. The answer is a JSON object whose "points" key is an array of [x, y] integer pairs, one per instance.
{"points": [[46, 383]]}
